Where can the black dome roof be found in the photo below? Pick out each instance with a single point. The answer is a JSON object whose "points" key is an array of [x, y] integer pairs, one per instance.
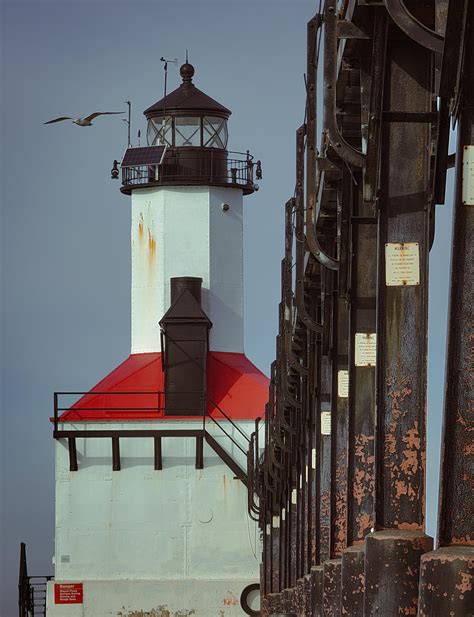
{"points": [[187, 99]]}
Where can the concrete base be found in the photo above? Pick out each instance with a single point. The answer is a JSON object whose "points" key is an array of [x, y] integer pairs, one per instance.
{"points": [[392, 568], [140, 598], [353, 581], [446, 586]]}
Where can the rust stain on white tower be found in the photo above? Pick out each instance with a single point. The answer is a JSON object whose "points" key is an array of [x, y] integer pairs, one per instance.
{"points": [[151, 511]]}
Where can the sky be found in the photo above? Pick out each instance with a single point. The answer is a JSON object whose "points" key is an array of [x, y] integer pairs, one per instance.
{"points": [[65, 254]]}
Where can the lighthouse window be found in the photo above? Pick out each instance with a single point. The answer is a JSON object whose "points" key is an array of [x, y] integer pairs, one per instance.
{"points": [[159, 132], [187, 131], [214, 132]]}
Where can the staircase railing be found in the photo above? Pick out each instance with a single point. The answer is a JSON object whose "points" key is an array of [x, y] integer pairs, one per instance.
{"points": [[231, 422], [31, 590]]}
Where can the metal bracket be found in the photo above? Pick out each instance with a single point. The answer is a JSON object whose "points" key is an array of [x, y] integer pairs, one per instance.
{"points": [[329, 168], [348, 30], [347, 152], [413, 28]]}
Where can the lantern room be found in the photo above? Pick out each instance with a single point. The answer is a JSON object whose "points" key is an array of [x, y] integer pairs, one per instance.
{"points": [[187, 140], [187, 118]]}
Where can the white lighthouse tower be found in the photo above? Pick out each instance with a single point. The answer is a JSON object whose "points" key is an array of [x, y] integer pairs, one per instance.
{"points": [[151, 497]]}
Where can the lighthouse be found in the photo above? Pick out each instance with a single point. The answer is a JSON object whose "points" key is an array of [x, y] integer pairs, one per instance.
{"points": [[151, 496]]}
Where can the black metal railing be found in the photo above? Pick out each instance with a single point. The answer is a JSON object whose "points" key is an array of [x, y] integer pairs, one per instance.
{"points": [[154, 405], [182, 166], [31, 590], [105, 402]]}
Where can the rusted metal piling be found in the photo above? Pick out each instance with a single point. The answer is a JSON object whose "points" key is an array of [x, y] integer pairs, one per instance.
{"points": [[393, 553], [446, 586], [340, 486]]}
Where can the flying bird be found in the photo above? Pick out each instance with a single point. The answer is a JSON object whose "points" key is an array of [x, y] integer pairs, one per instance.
{"points": [[87, 120]]}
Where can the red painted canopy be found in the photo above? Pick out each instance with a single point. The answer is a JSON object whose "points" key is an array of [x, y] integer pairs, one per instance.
{"points": [[134, 390]]}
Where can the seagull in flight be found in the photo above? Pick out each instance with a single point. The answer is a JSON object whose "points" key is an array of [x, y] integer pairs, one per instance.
{"points": [[87, 120]]}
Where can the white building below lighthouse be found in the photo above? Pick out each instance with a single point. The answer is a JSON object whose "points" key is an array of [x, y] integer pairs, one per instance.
{"points": [[152, 514]]}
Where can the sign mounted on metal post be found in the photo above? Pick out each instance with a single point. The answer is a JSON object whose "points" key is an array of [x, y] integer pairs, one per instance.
{"points": [[402, 264], [468, 176], [365, 348], [325, 423], [343, 384]]}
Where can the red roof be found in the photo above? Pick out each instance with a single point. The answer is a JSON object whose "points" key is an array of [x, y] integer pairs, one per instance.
{"points": [[234, 384]]}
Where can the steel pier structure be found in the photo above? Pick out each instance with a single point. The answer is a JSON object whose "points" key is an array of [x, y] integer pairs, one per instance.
{"points": [[339, 492]]}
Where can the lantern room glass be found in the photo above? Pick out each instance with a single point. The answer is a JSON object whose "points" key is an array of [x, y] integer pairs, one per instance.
{"points": [[185, 131], [214, 132], [160, 131]]}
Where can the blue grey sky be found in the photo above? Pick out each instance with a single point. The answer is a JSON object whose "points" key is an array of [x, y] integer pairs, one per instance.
{"points": [[65, 264]]}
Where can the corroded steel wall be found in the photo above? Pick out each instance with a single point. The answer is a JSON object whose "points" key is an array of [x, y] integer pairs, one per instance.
{"points": [[343, 471]]}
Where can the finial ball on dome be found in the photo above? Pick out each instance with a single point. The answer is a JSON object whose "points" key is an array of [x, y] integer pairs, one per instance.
{"points": [[187, 71]]}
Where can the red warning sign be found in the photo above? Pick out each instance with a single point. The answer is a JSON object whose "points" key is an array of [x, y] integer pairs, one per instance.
{"points": [[68, 593]]}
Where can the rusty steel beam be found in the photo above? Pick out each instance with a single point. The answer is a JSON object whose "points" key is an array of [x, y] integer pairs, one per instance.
{"points": [[339, 431], [456, 526], [361, 195], [313, 511], [283, 549], [312, 319], [342, 499], [340, 378], [267, 558], [402, 302], [361, 445], [338, 419], [393, 553], [361, 459], [324, 456], [446, 573], [293, 524], [275, 551]]}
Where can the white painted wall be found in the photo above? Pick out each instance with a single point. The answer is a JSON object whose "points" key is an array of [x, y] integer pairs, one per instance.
{"points": [[138, 524], [183, 231]]}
